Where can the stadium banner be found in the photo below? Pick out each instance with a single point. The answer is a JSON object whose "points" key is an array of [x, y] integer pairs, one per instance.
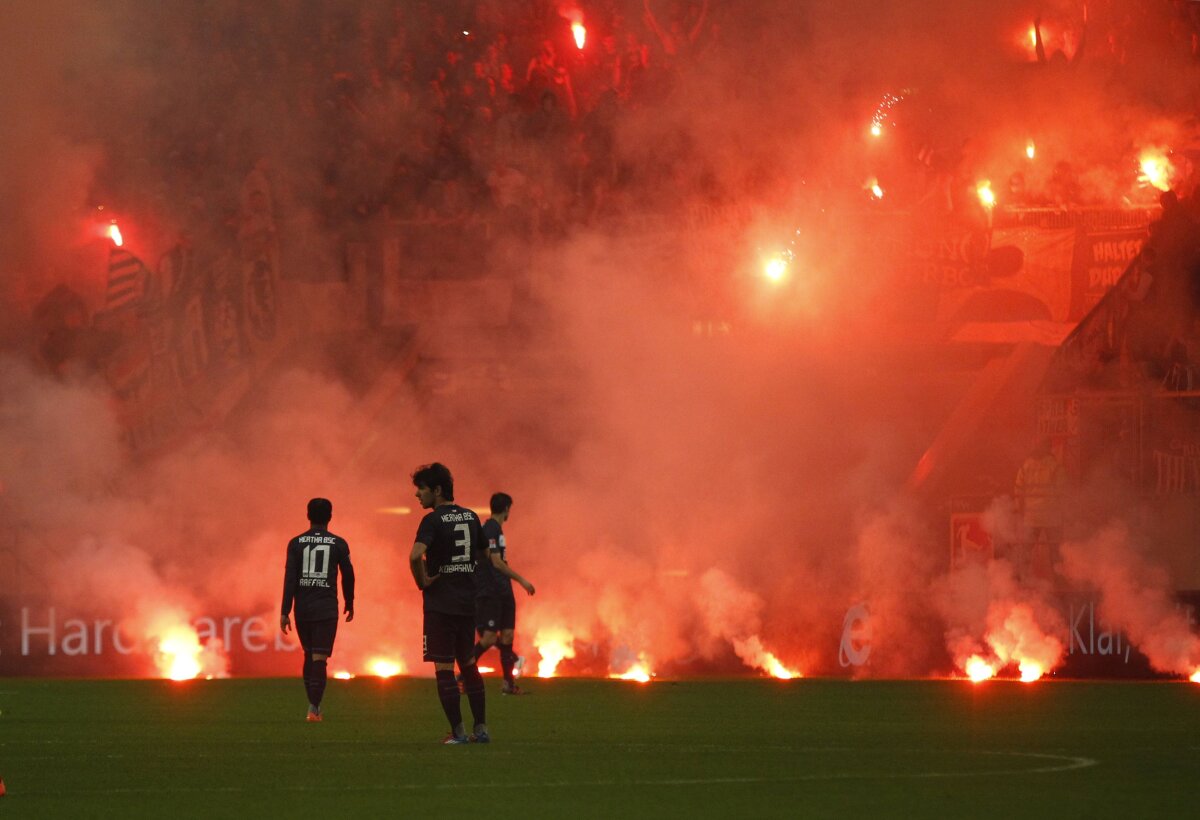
{"points": [[1099, 260], [54, 640]]}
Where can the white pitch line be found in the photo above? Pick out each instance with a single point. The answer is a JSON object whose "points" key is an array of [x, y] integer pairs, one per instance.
{"points": [[1067, 763]]}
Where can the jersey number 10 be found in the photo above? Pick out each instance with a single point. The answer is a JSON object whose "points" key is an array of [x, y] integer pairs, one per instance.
{"points": [[310, 559]]}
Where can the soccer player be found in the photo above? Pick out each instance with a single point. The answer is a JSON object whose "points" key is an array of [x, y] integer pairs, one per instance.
{"points": [[495, 605], [449, 545], [314, 558]]}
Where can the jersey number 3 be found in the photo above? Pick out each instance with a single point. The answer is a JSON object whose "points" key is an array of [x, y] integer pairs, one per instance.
{"points": [[463, 541]]}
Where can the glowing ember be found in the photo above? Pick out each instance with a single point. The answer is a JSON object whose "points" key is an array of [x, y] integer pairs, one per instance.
{"points": [[1195, 678], [775, 269], [978, 669], [638, 672], [179, 653], [553, 645], [486, 669], [1156, 169], [580, 34], [1032, 37], [1030, 149], [986, 196], [882, 112], [343, 675], [114, 233], [1030, 671], [873, 186], [385, 667]]}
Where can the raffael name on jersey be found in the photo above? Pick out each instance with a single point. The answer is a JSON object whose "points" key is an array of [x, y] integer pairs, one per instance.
{"points": [[314, 582]]}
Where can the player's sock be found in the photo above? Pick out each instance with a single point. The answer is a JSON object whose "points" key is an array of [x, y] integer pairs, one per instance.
{"points": [[479, 650], [508, 660], [451, 699], [307, 674], [320, 677], [473, 689]]}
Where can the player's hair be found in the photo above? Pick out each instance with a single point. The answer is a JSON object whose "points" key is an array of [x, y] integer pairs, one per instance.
{"points": [[433, 476], [500, 503], [320, 510]]}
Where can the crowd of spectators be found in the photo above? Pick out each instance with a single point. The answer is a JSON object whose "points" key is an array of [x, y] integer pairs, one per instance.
{"points": [[425, 111]]}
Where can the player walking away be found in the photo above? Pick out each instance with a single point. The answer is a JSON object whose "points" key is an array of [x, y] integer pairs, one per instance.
{"points": [[449, 545], [495, 605], [314, 558]]}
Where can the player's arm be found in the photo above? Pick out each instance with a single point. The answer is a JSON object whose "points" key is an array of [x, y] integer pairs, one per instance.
{"points": [[291, 580], [504, 569], [416, 563], [347, 570]]}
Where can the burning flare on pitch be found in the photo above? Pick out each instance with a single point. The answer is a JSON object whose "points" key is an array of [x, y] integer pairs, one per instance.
{"points": [[178, 652], [553, 646], [385, 667], [580, 33], [978, 669], [114, 233], [1195, 678], [753, 654], [640, 672], [1030, 150]]}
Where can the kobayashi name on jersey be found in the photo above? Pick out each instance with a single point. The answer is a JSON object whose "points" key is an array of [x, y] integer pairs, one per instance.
{"points": [[314, 582]]}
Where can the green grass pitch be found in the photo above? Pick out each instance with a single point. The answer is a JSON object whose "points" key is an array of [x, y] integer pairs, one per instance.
{"points": [[593, 748]]}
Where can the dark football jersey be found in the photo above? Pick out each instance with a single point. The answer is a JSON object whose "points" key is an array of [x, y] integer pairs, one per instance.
{"points": [[310, 576], [455, 544], [490, 580]]}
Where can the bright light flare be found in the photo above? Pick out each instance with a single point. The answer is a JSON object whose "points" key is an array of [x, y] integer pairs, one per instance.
{"points": [[1195, 678], [986, 196], [775, 269], [876, 130], [485, 670], [638, 672], [1030, 149], [385, 667], [114, 233], [1032, 37], [778, 670], [580, 33], [179, 650], [874, 187], [978, 669], [343, 675], [1156, 169], [553, 646], [394, 510], [1030, 671]]}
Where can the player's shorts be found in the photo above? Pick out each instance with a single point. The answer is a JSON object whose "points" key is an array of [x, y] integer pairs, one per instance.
{"points": [[317, 636], [448, 638], [495, 613]]}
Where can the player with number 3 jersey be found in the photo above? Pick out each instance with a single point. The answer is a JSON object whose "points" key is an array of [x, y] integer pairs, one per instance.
{"points": [[448, 545]]}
